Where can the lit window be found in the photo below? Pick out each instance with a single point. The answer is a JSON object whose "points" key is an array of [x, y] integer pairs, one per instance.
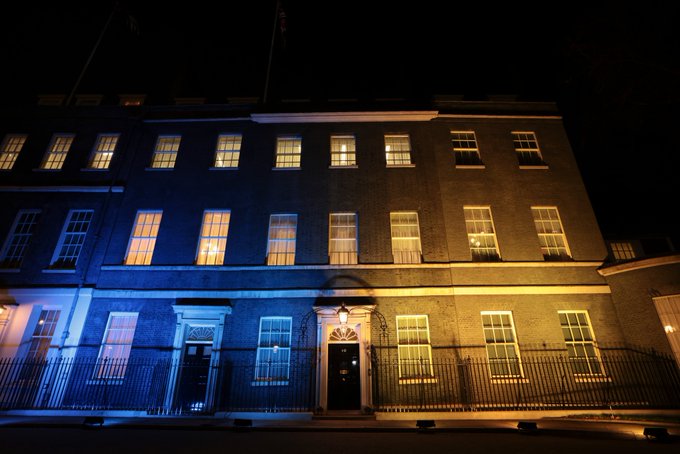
{"points": [[72, 239], [213, 241], [18, 240], [465, 148], [228, 150], [11, 147], [56, 153], [501, 344], [288, 152], [414, 349], [342, 243], [580, 342], [481, 234], [405, 237], [397, 150], [668, 309], [143, 238], [527, 149], [131, 100], [103, 151], [550, 233], [272, 364], [622, 250], [116, 345], [343, 151], [42, 335], [165, 154], [281, 244]]}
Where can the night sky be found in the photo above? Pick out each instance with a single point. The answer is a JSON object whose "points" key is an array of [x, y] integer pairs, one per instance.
{"points": [[614, 70]]}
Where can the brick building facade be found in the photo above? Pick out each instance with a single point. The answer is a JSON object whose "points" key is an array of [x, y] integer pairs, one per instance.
{"points": [[197, 258]]}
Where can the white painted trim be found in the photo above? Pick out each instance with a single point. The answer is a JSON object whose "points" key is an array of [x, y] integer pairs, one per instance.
{"points": [[522, 117], [358, 292], [62, 188], [372, 266], [639, 265], [345, 117]]}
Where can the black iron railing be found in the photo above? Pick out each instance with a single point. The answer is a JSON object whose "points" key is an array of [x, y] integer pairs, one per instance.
{"points": [[629, 379]]}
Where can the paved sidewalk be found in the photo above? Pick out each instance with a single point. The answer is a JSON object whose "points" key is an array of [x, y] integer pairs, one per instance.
{"points": [[596, 428]]}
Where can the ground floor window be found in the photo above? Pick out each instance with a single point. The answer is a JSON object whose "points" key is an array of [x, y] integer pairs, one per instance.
{"points": [[415, 351], [116, 345], [580, 342], [272, 364], [501, 344]]}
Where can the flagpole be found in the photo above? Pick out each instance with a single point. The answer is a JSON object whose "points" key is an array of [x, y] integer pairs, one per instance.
{"points": [[271, 52], [94, 49]]}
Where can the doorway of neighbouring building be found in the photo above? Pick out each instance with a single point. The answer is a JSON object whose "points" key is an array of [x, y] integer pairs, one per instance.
{"points": [[193, 377], [344, 378]]}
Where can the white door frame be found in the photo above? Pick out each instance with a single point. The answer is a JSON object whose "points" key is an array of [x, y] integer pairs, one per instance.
{"points": [[196, 316], [359, 320]]}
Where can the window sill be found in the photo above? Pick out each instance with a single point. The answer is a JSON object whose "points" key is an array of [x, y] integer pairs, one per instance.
{"points": [[470, 166], [397, 166], [584, 378], [159, 169], [508, 380], [417, 381], [105, 381], [344, 167], [223, 168], [536, 167], [88, 169], [287, 168], [10, 270], [47, 170], [59, 270], [269, 383]]}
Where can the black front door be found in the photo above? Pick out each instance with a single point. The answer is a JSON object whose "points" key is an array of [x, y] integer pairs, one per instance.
{"points": [[344, 379], [193, 377]]}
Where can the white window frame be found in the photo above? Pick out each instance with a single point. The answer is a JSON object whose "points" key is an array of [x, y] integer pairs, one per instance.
{"points": [[148, 233], [400, 254], [116, 369], [274, 240], [12, 144], [228, 151], [550, 233], [103, 151], [668, 310], [527, 149], [337, 254], [288, 152], [165, 151], [415, 355], [343, 157], [465, 149], [401, 155], [43, 332], [498, 346], [581, 344], [56, 153], [23, 238], [481, 234], [71, 243], [212, 240], [269, 349]]}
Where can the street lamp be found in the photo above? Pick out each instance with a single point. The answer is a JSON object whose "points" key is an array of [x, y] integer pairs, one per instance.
{"points": [[343, 314]]}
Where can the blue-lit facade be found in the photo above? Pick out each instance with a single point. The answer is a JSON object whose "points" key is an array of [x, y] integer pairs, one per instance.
{"points": [[196, 260]]}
